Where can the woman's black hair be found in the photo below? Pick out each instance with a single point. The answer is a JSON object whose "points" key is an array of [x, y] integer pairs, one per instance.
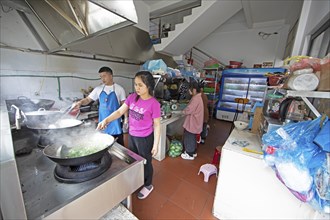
{"points": [[148, 80], [194, 85]]}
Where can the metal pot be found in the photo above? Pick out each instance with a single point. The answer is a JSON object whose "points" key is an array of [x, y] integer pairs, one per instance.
{"points": [[63, 151], [42, 116], [58, 124]]}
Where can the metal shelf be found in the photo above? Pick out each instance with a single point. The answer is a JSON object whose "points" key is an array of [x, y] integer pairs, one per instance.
{"points": [[309, 94]]}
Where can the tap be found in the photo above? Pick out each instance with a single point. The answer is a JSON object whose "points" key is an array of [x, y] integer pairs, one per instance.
{"points": [[18, 116]]}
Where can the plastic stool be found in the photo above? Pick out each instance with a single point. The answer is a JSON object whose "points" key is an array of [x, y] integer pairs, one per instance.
{"points": [[208, 170]]}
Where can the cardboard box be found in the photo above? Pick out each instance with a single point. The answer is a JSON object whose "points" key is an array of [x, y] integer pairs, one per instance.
{"points": [[324, 76], [257, 118]]}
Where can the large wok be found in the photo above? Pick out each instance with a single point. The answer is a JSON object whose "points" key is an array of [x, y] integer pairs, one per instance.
{"points": [[61, 152], [42, 116], [27, 105], [61, 123]]}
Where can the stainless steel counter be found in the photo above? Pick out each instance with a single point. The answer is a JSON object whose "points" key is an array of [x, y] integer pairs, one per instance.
{"points": [[45, 197]]}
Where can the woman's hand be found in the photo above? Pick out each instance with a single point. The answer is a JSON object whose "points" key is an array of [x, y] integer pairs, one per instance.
{"points": [[154, 151], [102, 125]]}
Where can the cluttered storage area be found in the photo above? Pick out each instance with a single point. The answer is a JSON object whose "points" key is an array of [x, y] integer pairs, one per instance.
{"points": [[275, 163]]}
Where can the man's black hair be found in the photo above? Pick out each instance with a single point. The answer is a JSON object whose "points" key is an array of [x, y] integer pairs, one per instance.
{"points": [[105, 69]]}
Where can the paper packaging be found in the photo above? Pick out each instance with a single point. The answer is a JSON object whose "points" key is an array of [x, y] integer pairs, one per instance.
{"points": [[324, 76]]}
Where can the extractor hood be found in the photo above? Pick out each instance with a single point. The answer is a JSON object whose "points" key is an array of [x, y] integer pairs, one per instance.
{"points": [[85, 28]]}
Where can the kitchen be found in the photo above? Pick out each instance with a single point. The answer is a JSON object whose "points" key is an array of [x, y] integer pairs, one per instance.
{"points": [[58, 70]]}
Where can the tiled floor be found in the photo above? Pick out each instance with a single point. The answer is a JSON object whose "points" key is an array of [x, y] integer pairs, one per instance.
{"points": [[179, 193]]}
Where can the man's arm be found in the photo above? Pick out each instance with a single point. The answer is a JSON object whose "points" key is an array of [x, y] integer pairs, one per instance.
{"points": [[84, 101]]}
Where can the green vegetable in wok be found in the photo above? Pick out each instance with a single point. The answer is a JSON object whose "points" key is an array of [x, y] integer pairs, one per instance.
{"points": [[82, 151]]}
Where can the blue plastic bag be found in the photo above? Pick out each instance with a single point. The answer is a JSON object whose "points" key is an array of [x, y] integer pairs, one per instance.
{"points": [[294, 143], [155, 66], [322, 139]]}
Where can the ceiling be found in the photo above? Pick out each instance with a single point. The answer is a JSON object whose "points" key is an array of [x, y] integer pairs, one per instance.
{"points": [[255, 11]]}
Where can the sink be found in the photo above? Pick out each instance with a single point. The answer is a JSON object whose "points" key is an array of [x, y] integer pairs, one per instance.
{"points": [[24, 140]]}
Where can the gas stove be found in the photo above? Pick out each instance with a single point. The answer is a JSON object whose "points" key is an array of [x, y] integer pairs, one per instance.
{"points": [[83, 172], [44, 195], [30, 190]]}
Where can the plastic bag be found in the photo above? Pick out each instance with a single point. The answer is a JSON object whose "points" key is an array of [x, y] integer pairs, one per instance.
{"points": [[155, 66], [302, 196], [321, 199], [294, 143], [175, 148], [323, 138]]}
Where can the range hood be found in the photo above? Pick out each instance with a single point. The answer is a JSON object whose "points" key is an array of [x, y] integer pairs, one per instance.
{"points": [[85, 28]]}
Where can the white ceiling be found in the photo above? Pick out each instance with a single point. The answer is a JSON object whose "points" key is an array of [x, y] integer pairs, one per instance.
{"points": [[256, 11]]}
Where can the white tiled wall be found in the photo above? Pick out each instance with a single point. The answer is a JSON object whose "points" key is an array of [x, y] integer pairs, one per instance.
{"points": [[45, 69]]}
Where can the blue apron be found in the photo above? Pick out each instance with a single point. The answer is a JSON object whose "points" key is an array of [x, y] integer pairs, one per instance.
{"points": [[108, 104]]}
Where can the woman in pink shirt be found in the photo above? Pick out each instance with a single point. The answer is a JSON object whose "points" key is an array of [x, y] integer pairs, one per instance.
{"points": [[193, 123], [144, 124]]}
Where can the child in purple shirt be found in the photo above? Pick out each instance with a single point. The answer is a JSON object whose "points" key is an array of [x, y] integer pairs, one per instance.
{"points": [[144, 124]]}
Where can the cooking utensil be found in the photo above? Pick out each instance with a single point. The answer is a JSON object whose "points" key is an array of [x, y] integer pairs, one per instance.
{"points": [[41, 117], [26, 104], [58, 124], [68, 109], [60, 152]]}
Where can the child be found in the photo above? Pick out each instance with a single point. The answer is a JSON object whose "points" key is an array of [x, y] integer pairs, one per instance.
{"points": [[144, 124], [193, 123], [206, 114]]}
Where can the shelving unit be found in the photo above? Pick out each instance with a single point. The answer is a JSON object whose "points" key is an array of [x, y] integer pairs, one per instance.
{"points": [[212, 77], [309, 94]]}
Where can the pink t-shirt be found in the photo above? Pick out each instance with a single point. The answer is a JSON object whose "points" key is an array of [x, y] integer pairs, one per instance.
{"points": [[141, 115], [194, 115]]}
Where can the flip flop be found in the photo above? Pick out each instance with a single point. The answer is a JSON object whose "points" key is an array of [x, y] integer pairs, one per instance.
{"points": [[144, 192]]}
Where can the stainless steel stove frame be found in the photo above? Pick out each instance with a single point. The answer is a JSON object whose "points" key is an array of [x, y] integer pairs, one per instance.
{"points": [[30, 191]]}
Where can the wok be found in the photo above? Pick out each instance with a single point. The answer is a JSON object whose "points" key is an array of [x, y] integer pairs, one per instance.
{"points": [[61, 152], [26, 104], [58, 124], [42, 116]]}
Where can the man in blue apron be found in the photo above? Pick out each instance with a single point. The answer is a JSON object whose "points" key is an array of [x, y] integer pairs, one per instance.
{"points": [[110, 95]]}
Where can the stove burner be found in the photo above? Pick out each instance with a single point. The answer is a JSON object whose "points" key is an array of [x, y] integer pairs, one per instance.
{"points": [[84, 172], [44, 140]]}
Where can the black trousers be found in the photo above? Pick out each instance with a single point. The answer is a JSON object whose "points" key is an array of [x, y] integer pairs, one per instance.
{"points": [[120, 139], [204, 132], [189, 142], [143, 146]]}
